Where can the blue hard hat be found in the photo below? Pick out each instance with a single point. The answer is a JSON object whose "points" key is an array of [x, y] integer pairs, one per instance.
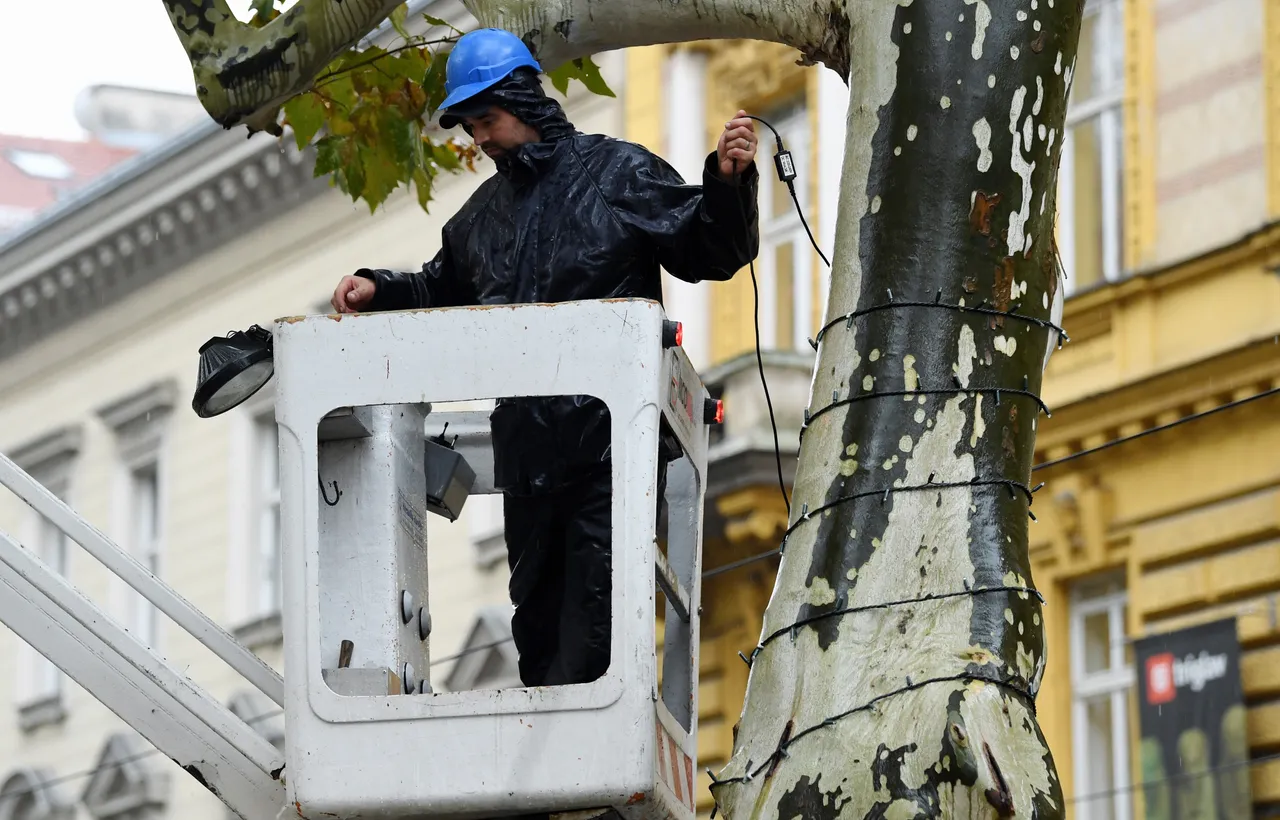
{"points": [[480, 59]]}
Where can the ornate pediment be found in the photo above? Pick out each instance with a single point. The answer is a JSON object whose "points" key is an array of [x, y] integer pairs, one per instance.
{"points": [[261, 714], [126, 785], [31, 794], [488, 658]]}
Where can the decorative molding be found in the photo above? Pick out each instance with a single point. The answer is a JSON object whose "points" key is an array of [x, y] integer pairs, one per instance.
{"points": [[263, 716], [46, 711], [124, 786], [33, 794], [488, 658], [752, 72], [490, 550], [192, 218], [145, 407], [754, 516], [50, 450], [261, 633]]}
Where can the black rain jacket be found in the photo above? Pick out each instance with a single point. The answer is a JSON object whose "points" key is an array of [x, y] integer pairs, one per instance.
{"points": [[573, 217]]}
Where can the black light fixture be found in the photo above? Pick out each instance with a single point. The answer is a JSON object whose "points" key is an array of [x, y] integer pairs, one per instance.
{"points": [[232, 368]]}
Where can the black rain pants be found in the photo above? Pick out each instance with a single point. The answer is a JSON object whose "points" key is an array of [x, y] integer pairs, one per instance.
{"points": [[559, 548]]}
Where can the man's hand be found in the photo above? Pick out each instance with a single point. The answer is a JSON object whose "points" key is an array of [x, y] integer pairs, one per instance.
{"points": [[352, 294], [737, 144]]}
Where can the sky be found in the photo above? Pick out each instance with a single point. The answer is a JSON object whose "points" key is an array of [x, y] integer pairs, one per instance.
{"points": [[49, 51]]}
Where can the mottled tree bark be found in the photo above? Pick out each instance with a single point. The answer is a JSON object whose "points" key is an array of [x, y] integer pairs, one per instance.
{"points": [[244, 74], [909, 691]]}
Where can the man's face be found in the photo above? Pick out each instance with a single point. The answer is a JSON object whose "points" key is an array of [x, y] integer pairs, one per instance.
{"points": [[498, 131]]}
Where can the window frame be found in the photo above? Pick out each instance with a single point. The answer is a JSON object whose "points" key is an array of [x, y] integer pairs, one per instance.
{"points": [[258, 626], [142, 616], [269, 599], [792, 121], [40, 686], [1115, 683], [1106, 108], [140, 424]]}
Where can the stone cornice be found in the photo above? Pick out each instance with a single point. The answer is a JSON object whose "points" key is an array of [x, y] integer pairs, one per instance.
{"points": [[61, 444], [156, 213], [153, 400], [188, 209]]}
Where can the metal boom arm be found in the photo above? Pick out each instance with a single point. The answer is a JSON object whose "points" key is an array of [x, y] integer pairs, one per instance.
{"points": [[183, 721]]}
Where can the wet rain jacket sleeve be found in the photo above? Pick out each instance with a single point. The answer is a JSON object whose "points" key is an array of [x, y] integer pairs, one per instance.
{"points": [[436, 285], [701, 233]]}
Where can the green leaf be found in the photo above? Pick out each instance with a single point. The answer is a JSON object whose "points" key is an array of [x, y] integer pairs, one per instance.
{"points": [[433, 81], [351, 175], [328, 158], [400, 139], [585, 71], [422, 186], [264, 11], [561, 76], [409, 64], [444, 156], [305, 114], [381, 177], [436, 21], [398, 16], [589, 74]]}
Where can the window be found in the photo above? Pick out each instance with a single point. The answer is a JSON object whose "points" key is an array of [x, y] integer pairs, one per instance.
{"points": [[43, 679], [1090, 183], [139, 422], [50, 461], [144, 541], [1101, 677], [125, 784], [255, 572], [784, 265], [40, 164], [266, 501]]}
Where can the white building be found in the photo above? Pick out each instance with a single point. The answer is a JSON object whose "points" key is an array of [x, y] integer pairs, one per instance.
{"points": [[104, 303]]}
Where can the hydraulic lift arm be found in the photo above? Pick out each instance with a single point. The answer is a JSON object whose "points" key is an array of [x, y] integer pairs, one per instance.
{"points": [[184, 722]]}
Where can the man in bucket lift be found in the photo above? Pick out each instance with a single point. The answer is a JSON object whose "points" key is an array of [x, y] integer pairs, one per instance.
{"points": [[568, 216]]}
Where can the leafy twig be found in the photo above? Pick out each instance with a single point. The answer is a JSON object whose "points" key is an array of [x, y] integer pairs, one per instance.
{"points": [[339, 71]]}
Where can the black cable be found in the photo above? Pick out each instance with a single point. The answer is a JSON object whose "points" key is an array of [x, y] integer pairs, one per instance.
{"points": [[764, 383], [788, 739], [762, 556], [1194, 417], [786, 174]]}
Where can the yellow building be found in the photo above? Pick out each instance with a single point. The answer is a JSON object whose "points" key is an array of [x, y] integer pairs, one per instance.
{"points": [[1169, 229]]}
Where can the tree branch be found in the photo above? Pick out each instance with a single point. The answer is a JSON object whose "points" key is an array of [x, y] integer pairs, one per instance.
{"points": [[338, 72], [243, 75], [561, 30]]}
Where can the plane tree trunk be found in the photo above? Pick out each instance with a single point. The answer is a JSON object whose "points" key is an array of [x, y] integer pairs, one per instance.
{"points": [[908, 688]]}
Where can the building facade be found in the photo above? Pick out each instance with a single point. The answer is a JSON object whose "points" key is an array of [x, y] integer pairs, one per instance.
{"points": [[1168, 201]]}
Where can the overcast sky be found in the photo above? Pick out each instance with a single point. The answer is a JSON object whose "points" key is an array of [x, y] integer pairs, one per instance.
{"points": [[49, 51]]}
